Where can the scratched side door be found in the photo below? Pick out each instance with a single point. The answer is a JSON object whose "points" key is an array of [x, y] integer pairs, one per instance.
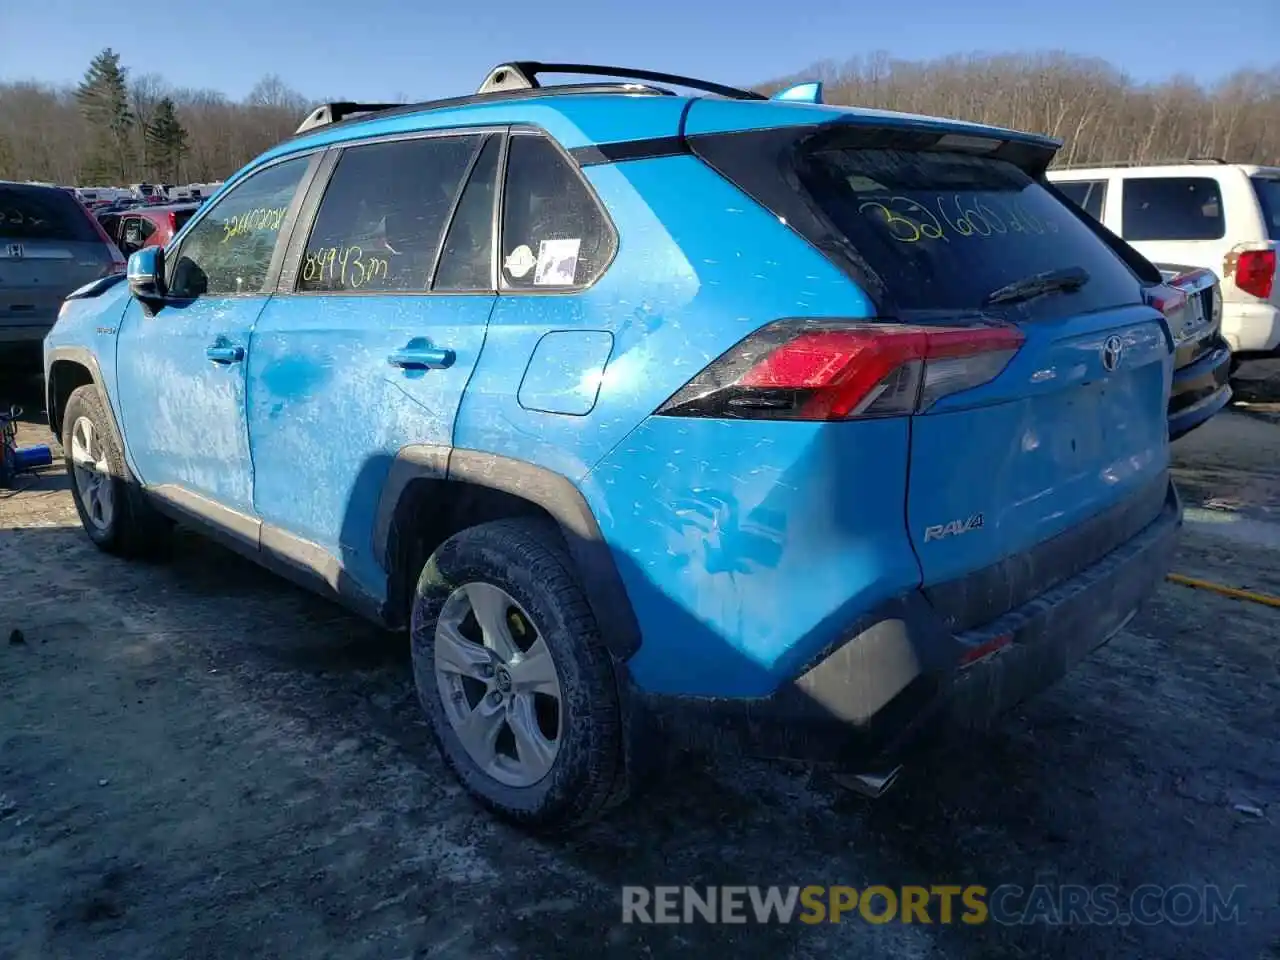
{"points": [[181, 361], [372, 335]]}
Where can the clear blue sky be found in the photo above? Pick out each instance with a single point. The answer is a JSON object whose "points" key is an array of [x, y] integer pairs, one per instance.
{"points": [[373, 49]]}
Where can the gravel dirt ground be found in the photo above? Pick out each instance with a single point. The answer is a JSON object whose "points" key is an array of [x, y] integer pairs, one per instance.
{"points": [[199, 760]]}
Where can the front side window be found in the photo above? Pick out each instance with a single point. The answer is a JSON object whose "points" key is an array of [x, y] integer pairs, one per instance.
{"points": [[554, 234], [384, 212], [229, 251], [1172, 208]]}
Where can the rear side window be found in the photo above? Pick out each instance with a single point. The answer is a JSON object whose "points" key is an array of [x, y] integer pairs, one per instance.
{"points": [[467, 260], [942, 231], [1268, 191], [381, 221], [137, 230], [34, 213], [1088, 195], [1172, 208], [554, 234], [111, 224]]}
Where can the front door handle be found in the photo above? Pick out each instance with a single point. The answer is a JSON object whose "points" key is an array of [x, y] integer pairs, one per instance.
{"points": [[421, 358], [224, 353]]}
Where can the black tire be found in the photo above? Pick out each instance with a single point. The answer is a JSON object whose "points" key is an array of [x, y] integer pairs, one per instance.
{"points": [[528, 560], [135, 529]]}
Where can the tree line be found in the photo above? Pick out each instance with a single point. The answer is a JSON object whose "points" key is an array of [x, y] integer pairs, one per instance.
{"points": [[115, 128], [1101, 114]]}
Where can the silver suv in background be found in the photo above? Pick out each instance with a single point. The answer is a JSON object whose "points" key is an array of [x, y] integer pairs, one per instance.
{"points": [[1206, 214], [49, 245]]}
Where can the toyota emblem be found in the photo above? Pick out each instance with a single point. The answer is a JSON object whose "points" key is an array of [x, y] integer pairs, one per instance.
{"points": [[1112, 348]]}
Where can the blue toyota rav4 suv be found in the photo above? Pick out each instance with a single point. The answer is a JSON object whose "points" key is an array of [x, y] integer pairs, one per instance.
{"points": [[803, 431]]}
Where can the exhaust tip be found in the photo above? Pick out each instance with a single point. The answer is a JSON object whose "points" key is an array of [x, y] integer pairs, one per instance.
{"points": [[870, 785]]}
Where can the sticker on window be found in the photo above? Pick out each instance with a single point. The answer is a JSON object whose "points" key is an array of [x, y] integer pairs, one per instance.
{"points": [[557, 262], [519, 261]]}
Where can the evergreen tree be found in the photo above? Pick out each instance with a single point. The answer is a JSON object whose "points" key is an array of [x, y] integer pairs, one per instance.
{"points": [[167, 139], [103, 96]]}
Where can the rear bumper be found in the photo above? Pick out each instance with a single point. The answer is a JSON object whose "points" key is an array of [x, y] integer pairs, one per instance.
{"points": [[899, 681], [1199, 390], [1251, 327]]}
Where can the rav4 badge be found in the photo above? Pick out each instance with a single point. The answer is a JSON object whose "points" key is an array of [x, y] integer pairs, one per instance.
{"points": [[956, 527]]}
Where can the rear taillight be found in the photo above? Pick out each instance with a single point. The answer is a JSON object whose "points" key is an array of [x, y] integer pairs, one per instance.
{"points": [[1170, 301], [173, 223], [841, 370], [1255, 272]]}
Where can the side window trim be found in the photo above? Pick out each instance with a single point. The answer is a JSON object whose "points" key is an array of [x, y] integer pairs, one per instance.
{"points": [[501, 139], [292, 254], [499, 204], [300, 229], [576, 169], [174, 248]]}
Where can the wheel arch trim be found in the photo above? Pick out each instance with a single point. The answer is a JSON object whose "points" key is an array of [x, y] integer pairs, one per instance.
{"points": [[592, 557], [83, 357]]}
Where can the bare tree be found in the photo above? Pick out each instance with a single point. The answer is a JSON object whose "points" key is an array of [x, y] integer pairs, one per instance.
{"points": [[1100, 113]]}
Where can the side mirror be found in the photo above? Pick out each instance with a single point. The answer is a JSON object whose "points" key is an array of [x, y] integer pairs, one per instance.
{"points": [[146, 273]]}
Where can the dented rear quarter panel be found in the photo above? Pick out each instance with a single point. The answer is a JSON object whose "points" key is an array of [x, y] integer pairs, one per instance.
{"points": [[744, 547]]}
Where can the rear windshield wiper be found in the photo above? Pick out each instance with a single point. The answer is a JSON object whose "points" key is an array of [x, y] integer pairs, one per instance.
{"points": [[1066, 280]]}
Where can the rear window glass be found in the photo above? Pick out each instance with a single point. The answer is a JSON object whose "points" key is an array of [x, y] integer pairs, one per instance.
{"points": [[1268, 192], [1172, 208], [36, 214], [180, 218], [942, 230]]}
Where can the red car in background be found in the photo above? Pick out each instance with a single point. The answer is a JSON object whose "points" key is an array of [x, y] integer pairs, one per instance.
{"points": [[146, 226]]}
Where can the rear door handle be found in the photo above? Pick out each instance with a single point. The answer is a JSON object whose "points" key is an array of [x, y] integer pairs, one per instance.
{"points": [[421, 358], [224, 353]]}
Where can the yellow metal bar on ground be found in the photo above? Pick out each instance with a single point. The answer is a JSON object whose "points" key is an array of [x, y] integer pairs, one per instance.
{"points": [[1225, 591]]}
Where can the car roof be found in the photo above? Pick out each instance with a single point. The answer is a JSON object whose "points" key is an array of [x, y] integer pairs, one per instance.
{"points": [[1184, 168], [586, 115]]}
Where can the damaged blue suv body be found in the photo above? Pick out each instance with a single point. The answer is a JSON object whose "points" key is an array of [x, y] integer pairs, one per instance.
{"points": [[654, 417]]}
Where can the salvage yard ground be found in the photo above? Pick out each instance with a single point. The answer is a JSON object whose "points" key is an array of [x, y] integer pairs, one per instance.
{"points": [[199, 760]]}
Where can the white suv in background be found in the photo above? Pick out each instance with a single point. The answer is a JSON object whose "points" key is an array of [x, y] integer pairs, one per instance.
{"points": [[1223, 217]]}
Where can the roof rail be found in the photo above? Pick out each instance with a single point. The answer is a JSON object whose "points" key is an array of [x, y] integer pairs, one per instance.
{"points": [[523, 75], [328, 113], [1138, 163], [520, 79]]}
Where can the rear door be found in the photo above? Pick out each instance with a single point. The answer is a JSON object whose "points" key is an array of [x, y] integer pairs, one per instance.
{"points": [[49, 246], [371, 339], [1073, 428]]}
